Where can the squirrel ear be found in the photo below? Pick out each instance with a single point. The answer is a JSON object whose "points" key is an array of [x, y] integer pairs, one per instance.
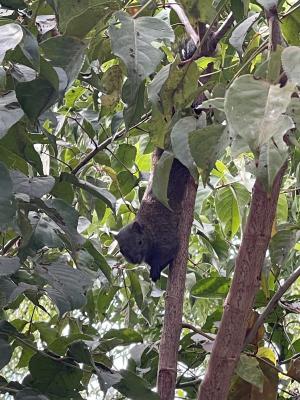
{"points": [[137, 227]]}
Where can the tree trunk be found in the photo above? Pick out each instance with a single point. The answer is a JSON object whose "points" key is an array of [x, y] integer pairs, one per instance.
{"points": [[246, 281], [169, 343]]}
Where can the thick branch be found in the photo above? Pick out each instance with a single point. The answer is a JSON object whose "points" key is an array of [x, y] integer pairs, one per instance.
{"points": [[246, 281], [169, 342], [272, 304]]}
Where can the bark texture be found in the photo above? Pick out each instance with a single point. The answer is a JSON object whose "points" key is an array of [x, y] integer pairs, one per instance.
{"points": [[169, 343], [246, 281]]}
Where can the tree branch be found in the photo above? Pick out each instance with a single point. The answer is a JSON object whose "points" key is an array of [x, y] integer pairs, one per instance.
{"points": [[106, 143], [246, 281], [169, 343], [272, 304], [184, 20]]}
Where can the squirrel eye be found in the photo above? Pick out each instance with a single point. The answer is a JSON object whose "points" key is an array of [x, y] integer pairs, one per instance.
{"points": [[140, 242]]}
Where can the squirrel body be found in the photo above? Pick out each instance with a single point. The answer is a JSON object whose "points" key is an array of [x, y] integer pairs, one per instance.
{"points": [[153, 236]]}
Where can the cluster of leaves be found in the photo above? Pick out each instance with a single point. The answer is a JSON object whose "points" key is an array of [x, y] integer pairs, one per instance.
{"points": [[87, 89]]}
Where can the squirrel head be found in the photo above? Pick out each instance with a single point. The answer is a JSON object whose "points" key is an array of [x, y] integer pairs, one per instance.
{"points": [[133, 242]]}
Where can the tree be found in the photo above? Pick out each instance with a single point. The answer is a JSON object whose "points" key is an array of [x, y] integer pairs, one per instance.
{"points": [[88, 89]]}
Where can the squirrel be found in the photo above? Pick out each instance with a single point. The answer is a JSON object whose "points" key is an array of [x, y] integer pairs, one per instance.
{"points": [[153, 235]]}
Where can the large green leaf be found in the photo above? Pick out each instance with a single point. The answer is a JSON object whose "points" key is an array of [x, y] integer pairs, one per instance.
{"points": [[134, 387], [10, 112], [7, 286], [254, 110], [239, 33], [132, 41], [40, 231], [282, 243], [9, 265], [180, 136], [7, 202], [10, 36], [54, 377], [215, 287], [227, 210], [67, 53], [161, 178], [291, 27], [78, 17], [68, 285], [5, 352], [207, 145], [36, 97], [33, 187], [179, 89], [101, 193], [291, 63], [248, 369]]}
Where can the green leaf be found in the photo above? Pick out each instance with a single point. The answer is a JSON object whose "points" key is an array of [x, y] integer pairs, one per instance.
{"points": [[80, 352], [66, 53], [127, 181], [227, 210], [282, 243], [7, 202], [104, 299], [125, 336], [30, 48], [207, 145], [239, 8], [134, 387], [180, 141], [135, 288], [217, 102], [271, 158], [36, 97], [41, 232], [10, 36], [5, 352], [254, 110], [211, 288], [132, 40], [10, 112], [54, 377], [99, 260], [78, 17], [282, 211], [100, 193], [125, 157], [9, 265], [68, 285], [7, 286], [239, 33], [180, 89], [161, 178], [290, 26], [29, 394], [33, 187], [249, 370], [291, 63]]}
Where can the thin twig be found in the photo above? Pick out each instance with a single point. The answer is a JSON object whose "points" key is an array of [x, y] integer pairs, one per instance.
{"points": [[106, 143], [197, 330], [272, 303]]}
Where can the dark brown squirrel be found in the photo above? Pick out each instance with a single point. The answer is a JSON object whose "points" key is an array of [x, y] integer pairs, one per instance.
{"points": [[153, 235]]}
